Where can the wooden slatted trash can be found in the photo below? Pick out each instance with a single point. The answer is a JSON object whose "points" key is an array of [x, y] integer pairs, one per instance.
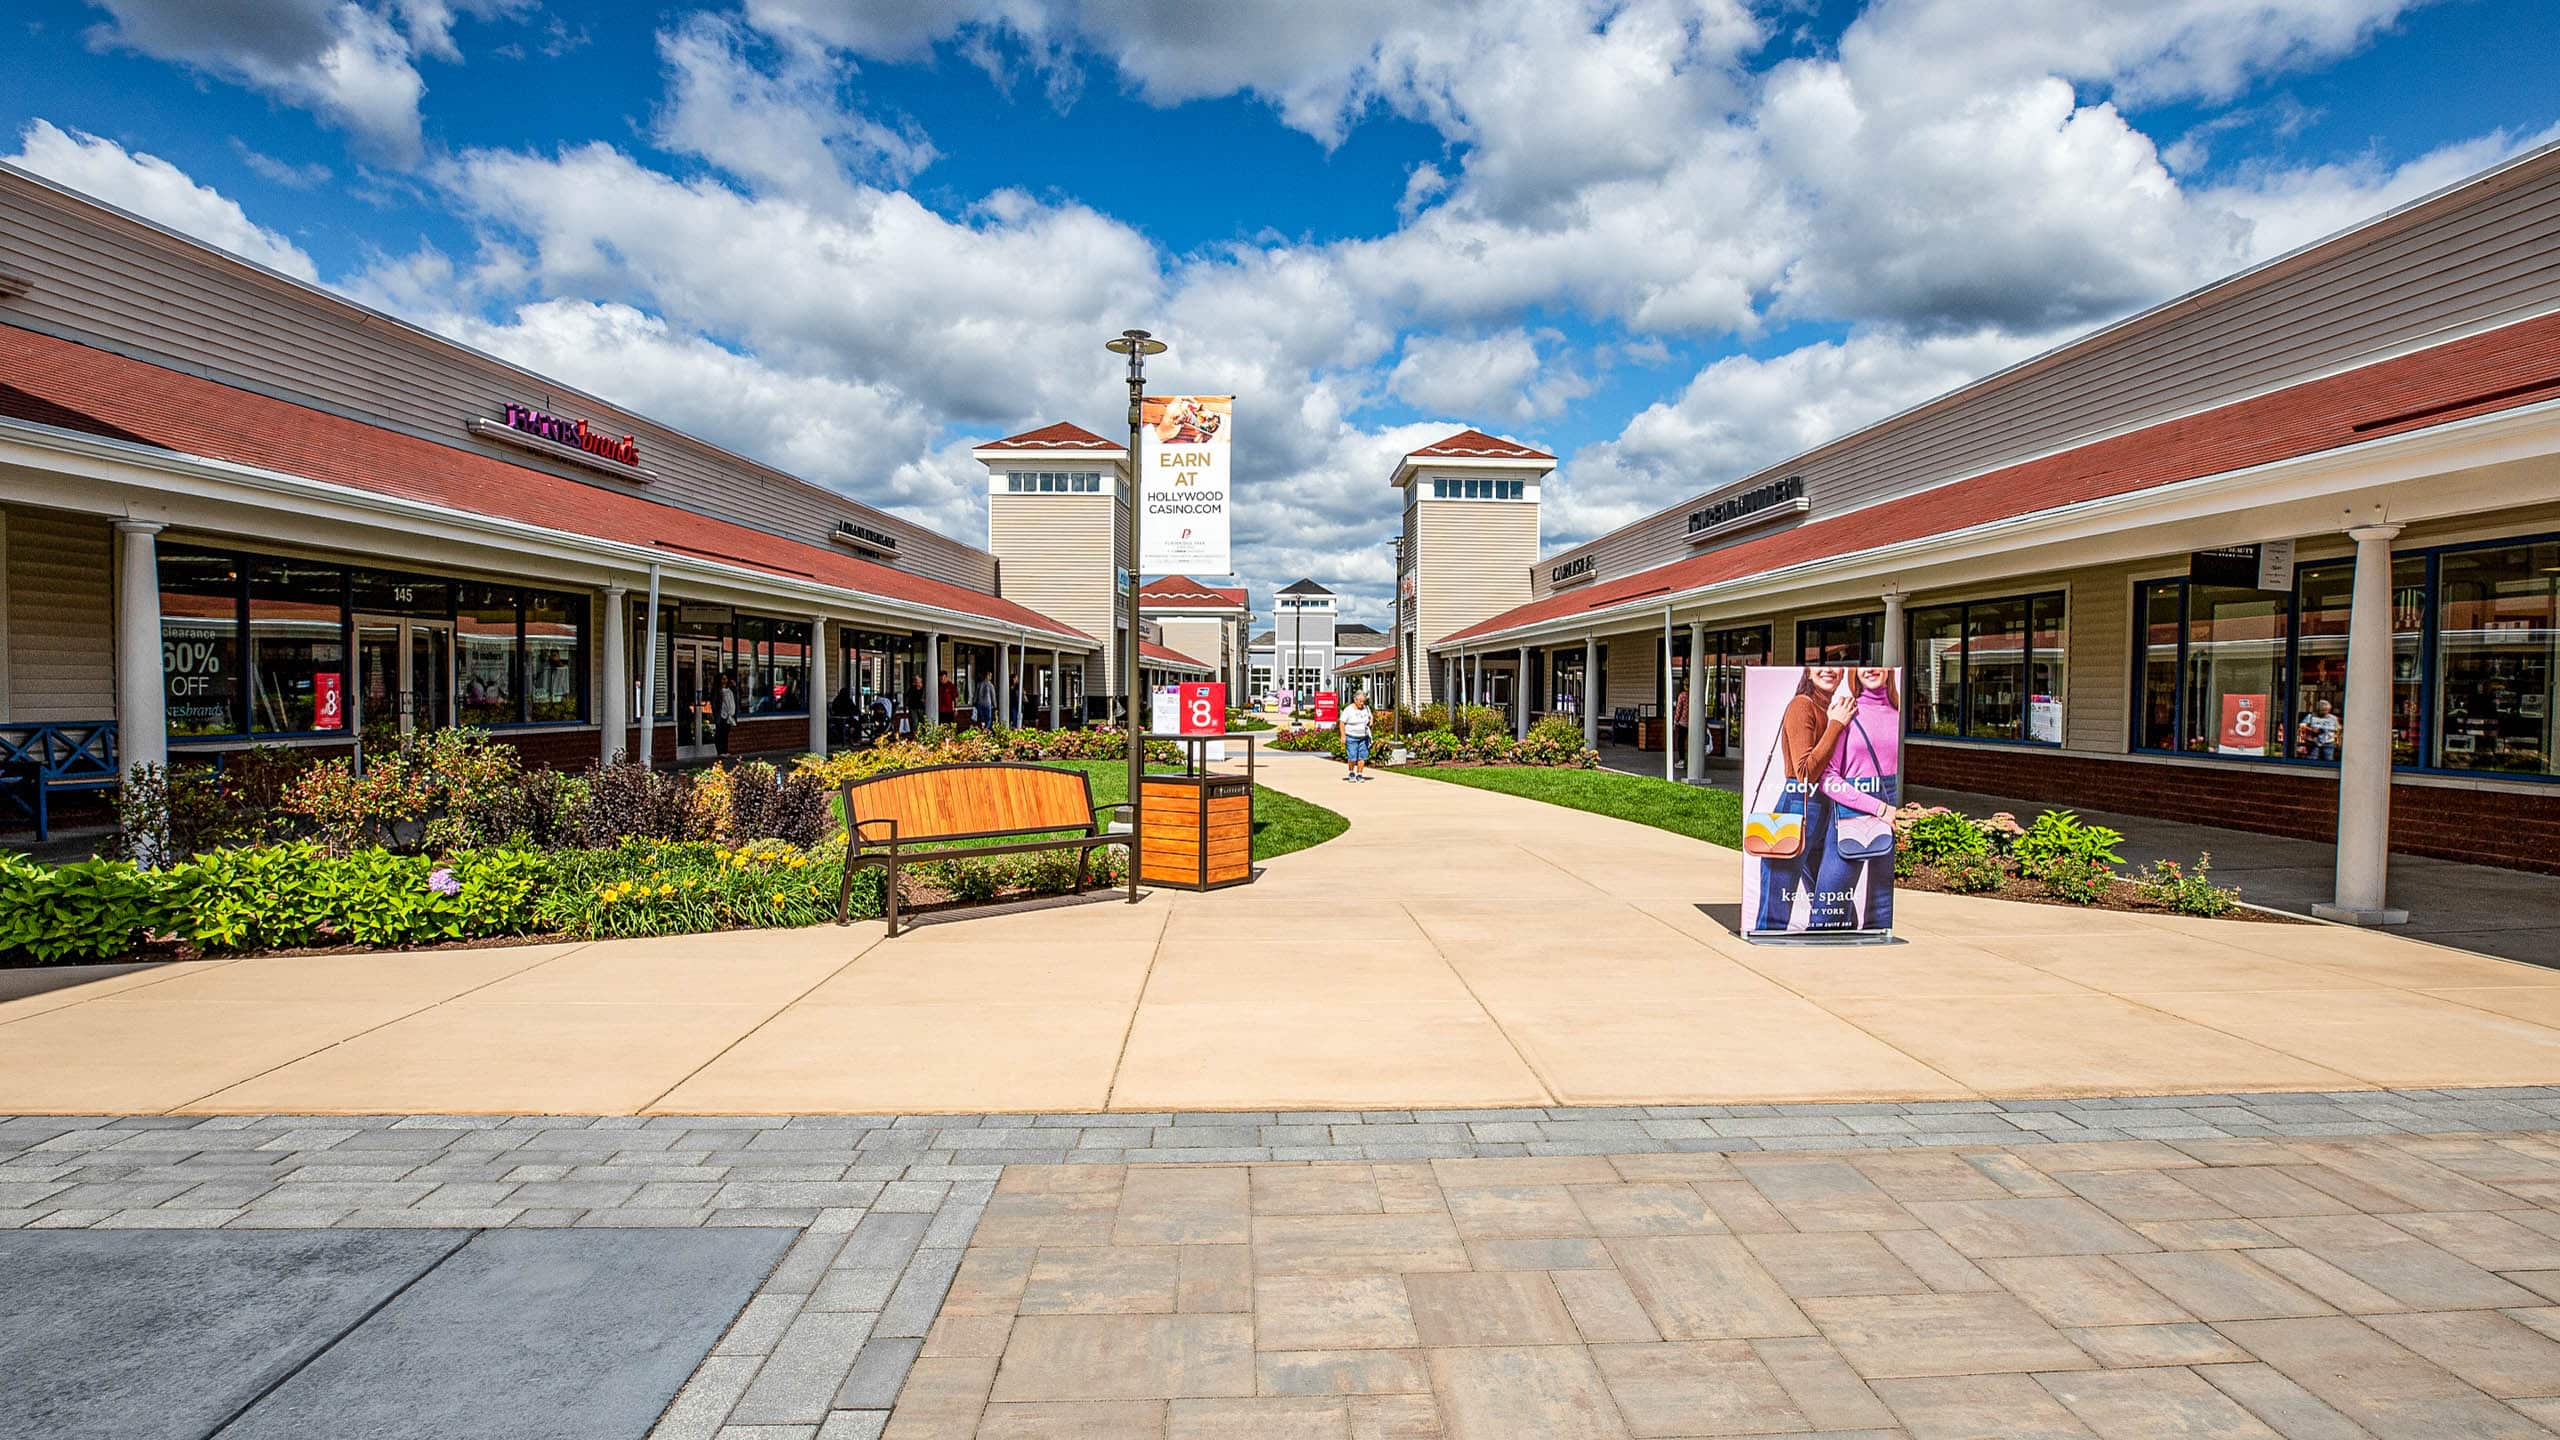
{"points": [[1197, 831]]}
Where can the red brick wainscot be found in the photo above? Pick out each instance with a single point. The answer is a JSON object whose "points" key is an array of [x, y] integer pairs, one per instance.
{"points": [[576, 748], [2486, 827]]}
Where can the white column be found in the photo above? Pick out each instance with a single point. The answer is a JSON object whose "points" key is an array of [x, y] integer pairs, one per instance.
{"points": [[649, 676], [1670, 751], [142, 710], [932, 678], [1004, 684], [613, 708], [815, 686], [1057, 687], [1520, 695], [2364, 742], [1697, 748], [1893, 647], [1475, 679], [1590, 690]]}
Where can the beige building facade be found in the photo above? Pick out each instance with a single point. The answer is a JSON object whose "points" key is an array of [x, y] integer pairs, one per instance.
{"points": [[1470, 539], [2373, 421]]}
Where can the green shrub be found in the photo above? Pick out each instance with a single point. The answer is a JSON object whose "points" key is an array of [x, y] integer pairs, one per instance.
{"points": [[1310, 740], [2188, 892], [1433, 747], [624, 801], [1974, 873], [1938, 837], [1434, 716], [87, 911], [259, 898], [646, 887], [1481, 722], [2058, 837], [2077, 878]]}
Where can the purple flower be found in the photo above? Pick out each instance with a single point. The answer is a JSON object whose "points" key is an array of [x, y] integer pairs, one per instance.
{"points": [[443, 883]]}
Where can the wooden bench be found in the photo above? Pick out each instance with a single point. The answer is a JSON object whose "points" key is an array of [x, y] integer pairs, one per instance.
{"points": [[888, 815]]}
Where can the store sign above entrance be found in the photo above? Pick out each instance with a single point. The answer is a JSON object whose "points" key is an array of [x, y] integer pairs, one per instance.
{"points": [[564, 439], [2266, 566], [1755, 506], [1574, 571], [863, 537]]}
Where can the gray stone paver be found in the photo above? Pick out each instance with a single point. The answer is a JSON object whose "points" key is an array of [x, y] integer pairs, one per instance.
{"points": [[890, 1202]]}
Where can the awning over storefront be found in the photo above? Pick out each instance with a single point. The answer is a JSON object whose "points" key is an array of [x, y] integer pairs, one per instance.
{"points": [[166, 420]]}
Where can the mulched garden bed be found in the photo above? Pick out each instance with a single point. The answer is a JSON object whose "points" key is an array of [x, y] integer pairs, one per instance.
{"points": [[2122, 895]]}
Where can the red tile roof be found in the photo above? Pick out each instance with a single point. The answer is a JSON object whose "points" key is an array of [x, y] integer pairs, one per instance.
{"points": [[73, 387], [1175, 591], [2505, 368], [1150, 650], [1477, 445], [1061, 436], [1373, 659]]}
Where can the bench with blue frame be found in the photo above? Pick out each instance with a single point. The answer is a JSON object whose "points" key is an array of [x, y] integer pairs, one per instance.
{"points": [[37, 760]]}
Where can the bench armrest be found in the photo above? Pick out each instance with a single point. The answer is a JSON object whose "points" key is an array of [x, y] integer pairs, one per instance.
{"points": [[854, 831], [1122, 806]]}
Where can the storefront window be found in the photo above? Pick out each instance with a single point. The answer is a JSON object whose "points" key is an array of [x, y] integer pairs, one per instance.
{"points": [[2235, 670], [2497, 650], [1935, 661], [555, 679], [297, 647], [2326, 593], [774, 668], [1729, 652], [1988, 669], [1840, 640], [200, 642], [485, 655], [2159, 613]]}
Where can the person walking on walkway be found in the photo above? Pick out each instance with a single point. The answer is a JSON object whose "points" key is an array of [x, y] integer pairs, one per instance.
{"points": [[1359, 725], [724, 712]]}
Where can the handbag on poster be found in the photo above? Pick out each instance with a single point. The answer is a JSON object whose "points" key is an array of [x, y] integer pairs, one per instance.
{"points": [[1862, 837], [1776, 833]]}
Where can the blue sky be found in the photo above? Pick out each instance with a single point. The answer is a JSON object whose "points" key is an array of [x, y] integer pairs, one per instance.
{"points": [[1671, 240]]}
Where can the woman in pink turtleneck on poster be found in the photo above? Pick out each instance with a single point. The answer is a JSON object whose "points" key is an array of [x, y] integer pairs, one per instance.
{"points": [[1853, 880]]}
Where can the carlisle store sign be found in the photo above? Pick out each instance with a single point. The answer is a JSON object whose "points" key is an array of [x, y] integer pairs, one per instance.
{"points": [[1755, 506], [1574, 571]]}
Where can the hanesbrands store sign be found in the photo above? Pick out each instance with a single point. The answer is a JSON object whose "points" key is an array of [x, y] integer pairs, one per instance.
{"points": [[1756, 506], [573, 433]]}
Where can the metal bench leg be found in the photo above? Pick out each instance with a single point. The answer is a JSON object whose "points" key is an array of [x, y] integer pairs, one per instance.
{"points": [[889, 896], [44, 811], [844, 894]]}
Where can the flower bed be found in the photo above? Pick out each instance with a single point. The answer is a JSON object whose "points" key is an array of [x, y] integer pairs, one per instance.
{"points": [[1479, 736], [455, 840], [2056, 860]]}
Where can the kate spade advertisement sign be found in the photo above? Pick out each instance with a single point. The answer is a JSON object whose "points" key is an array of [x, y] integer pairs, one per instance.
{"points": [[1822, 751]]}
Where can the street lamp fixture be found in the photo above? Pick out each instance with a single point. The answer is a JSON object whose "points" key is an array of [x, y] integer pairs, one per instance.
{"points": [[1137, 345]]}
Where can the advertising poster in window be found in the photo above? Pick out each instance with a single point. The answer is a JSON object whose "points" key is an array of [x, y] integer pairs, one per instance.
{"points": [[2244, 725], [1822, 758], [1183, 445]]}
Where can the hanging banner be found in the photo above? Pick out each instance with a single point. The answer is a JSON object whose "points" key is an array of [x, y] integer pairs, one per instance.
{"points": [[1182, 483], [2244, 725], [1822, 760]]}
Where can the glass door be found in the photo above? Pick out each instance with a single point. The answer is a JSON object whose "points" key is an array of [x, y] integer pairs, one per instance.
{"points": [[697, 680], [404, 679]]}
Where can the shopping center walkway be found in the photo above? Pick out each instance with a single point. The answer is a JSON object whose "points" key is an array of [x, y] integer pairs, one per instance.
{"points": [[1455, 948]]}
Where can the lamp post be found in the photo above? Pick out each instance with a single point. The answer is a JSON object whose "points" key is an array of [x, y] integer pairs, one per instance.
{"points": [[1137, 345]]}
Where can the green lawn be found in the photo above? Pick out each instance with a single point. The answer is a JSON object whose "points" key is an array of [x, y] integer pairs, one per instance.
{"points": [[1281, 823], [1714, 816]]}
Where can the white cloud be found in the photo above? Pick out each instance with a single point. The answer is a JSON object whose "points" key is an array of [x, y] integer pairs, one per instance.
{"points": [[2287, 208], [1498, 375], [155, 190], [350, 65], [281, 172], [779, 127], [1742, 413]]}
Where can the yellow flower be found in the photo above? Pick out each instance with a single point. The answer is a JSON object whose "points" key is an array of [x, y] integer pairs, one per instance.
{"points": [[666, 889], [799, 862]]}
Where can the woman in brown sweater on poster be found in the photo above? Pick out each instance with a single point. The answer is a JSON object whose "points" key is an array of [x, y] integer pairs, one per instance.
{"points": [[1808, 731]]}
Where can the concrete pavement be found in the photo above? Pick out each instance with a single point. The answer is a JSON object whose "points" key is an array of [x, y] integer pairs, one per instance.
{"points": [[1455, 948]]}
